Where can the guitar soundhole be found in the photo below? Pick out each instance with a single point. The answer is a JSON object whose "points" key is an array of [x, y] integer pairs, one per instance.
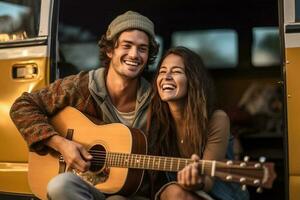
{"points": [[99, 156]]}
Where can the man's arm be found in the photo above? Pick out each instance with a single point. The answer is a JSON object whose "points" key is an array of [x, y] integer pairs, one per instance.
{"points": [[31, 113]]}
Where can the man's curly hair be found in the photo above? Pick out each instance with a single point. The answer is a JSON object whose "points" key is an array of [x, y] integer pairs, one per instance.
{"points": [[106, 46]]}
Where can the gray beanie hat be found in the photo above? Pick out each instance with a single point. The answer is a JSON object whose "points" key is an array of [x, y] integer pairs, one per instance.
{"points": [[130, 20]]}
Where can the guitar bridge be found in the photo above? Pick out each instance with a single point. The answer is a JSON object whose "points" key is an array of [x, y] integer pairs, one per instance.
{"points": [[93, 178]]}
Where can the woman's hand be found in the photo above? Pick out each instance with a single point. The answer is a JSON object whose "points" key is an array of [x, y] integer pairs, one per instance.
{"points": [[189, 177]]}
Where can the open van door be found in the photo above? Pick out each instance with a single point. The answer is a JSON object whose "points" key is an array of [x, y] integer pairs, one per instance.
{"points": [[27, 62], [290, 34]]}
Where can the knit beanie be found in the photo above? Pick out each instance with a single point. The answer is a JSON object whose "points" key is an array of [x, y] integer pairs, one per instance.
{"points": [[130, 20]]}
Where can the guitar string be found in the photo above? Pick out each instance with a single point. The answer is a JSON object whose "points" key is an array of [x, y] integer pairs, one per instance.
{"points": [[170, 163], [103, 154], [102, 157], [159, 163], [117, 159]]}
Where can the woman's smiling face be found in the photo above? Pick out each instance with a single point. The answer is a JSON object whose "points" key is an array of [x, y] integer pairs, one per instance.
{"points": [[172, 81]]}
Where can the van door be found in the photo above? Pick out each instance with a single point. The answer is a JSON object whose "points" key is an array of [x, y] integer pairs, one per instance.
{"points": [[290, 32], [27, 50]]}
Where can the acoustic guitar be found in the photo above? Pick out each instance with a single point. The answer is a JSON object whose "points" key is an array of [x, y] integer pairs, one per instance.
{"points": [[120, 158]]}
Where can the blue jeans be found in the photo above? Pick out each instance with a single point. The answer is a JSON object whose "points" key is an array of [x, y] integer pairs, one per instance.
{"points": [[68, 186], [226, 190]]}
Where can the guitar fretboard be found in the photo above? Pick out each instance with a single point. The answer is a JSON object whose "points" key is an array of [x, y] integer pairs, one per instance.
{"points": [[155, 162]]}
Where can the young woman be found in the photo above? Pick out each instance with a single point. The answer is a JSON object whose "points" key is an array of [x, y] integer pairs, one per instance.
{"points": [[183, 122]]}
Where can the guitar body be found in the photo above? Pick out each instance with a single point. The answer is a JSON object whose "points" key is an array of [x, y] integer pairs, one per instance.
{"points": [[109, 138], [120, 158]]}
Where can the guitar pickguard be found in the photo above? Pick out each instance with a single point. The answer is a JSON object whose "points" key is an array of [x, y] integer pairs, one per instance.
{"points": [[93, 178], [98, 173]]}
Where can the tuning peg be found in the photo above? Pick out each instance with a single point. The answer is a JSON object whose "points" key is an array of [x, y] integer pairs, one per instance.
{"points": [[229, 162], [259, 190], [257, 165], [243, 164], [262, 159], [228, 177], [246, 158], [256, 181], [244, 187]]}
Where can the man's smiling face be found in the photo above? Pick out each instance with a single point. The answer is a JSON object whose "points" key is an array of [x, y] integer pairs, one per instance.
{"points": [[130, 55]]}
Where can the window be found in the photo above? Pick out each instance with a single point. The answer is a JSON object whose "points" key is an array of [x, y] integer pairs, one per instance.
{"points": [[78, 49], [83, 56], [218, 48], [19, 21], [265, 47]]}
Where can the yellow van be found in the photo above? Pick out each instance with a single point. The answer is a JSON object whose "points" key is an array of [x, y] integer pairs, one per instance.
{"points": [[290, 35], [251, 48], [25, 60]]}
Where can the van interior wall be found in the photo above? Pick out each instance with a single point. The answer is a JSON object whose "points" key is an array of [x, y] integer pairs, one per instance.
{"points": [[231, 85]]}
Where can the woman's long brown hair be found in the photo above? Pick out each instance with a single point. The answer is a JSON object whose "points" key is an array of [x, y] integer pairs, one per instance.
{"points": [[198, 108]]}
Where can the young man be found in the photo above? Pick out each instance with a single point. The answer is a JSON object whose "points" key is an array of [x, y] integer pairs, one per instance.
{"points": [[114, 93]]}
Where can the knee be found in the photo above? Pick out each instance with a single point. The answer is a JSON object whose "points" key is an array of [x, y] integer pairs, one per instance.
{"points": [[174, 191], [57, 186], [116, 197]]}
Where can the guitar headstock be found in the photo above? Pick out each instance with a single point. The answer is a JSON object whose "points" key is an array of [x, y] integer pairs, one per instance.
{"points": [[258, 174]]}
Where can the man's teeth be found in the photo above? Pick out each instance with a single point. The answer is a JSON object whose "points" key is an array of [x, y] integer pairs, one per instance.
{"points": [[168, 87], [131, 63]]}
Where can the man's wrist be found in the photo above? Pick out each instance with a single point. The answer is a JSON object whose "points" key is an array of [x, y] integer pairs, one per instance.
{"points": [[55, 142]]}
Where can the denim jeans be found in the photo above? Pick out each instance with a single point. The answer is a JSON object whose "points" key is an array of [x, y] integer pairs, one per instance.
{"points": [[226, 190], [68, 186]]}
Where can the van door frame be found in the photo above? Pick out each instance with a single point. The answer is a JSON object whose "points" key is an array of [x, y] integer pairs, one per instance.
{"points": [[43, 45], [290, 41]]}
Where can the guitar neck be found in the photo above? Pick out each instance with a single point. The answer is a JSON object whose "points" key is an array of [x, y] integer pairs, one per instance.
{"points": [[159, 163], [254, 174]]}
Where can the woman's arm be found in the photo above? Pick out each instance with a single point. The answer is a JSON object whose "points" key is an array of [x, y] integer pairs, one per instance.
{"points": [[217, 141], [215, 149]]}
